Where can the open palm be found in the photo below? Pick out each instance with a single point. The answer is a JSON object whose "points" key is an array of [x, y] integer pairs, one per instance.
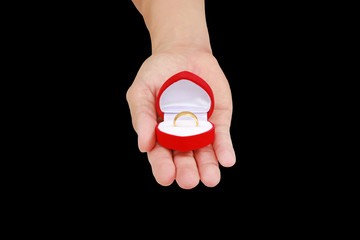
{"points": [[186, 167]]}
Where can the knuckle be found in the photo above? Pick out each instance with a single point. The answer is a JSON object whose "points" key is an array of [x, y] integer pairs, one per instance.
{"points": [[129, 94]]}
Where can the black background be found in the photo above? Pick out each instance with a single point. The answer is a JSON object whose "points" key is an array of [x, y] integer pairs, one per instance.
{"points": [[78, 154], [89, 55]]}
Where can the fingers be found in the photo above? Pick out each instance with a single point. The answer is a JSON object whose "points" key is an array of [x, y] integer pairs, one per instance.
{"points": [[142, 107], [208, 166], [187, 175], [223, 147], [187, 169], [162, 165]]}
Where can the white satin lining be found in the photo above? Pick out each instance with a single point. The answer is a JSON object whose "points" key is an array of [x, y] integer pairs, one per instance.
{"points": [[184, 95]]}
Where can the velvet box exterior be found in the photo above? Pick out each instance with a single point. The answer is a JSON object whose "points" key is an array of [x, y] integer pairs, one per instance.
{"points": [[185, 91]]}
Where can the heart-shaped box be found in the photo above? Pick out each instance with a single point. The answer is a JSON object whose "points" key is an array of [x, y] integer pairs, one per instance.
{"points": [[185, 91]]}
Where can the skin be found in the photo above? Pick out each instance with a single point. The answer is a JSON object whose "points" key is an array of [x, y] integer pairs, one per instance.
{"points": [[180, 42]]}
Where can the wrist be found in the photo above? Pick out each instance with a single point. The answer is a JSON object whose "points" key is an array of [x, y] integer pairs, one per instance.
{"points": [[180, 41], [176, 24]]}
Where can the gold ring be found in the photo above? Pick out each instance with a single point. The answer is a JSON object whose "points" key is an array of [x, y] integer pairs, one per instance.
{"points": [[186, 113]]}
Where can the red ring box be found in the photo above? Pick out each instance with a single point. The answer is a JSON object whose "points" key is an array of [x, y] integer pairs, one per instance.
{"points": [[185, 91]]}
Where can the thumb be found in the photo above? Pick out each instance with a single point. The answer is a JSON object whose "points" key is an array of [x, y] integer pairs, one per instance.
{"points": [[142, 108]]}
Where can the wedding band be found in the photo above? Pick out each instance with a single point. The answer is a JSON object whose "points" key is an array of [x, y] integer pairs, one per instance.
{"points": [[188, 114]]}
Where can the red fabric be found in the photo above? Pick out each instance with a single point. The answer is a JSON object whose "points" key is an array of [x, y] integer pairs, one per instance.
{"points": [[185, 143], [188, 76]]}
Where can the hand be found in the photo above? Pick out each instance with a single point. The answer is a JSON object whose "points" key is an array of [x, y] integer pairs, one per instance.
{"points": [[186, 167]]}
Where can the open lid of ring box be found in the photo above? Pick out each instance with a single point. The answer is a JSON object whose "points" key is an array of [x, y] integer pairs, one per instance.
{"points": [[185, 91]]}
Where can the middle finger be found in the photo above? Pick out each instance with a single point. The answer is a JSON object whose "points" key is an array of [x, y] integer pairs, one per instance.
{"points": [[187, 175]]}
